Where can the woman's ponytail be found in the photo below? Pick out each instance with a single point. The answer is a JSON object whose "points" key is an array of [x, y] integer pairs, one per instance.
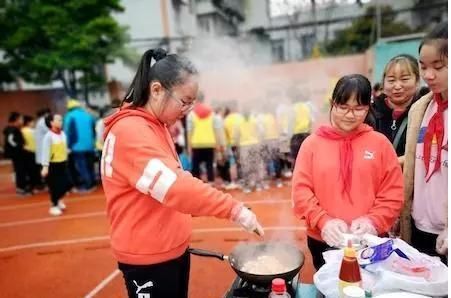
{"points": [[169, 70], [140, 84]]}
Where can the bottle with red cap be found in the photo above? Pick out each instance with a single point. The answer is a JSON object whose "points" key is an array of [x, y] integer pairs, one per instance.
{"points": [[279, 289]]}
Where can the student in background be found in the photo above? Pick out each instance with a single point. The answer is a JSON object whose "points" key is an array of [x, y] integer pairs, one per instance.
{"points": [[79, 126], [202, 139], [424, 220], [40, 131], [14, 142], [284, 117], [347, 178], [54, 163], [33, 171], [377, 92], [301, 125], [251, 162], [232, 121], [270, 138], [223, 152], [177, 132]]}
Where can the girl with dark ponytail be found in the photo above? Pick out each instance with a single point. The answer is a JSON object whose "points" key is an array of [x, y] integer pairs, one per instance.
{"points": [[150, 199]]}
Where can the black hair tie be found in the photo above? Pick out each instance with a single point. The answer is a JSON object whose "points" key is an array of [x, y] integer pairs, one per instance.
{"points": [[159, 54]]}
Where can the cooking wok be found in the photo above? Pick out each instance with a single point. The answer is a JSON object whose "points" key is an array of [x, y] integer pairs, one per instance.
{"points": [[289, 255]]}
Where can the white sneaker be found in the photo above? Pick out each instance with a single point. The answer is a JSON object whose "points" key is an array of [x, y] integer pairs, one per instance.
{"points": [[61, 205], [55, 211], [288, 174], [231, 186], [279, 184], [246, 190]]}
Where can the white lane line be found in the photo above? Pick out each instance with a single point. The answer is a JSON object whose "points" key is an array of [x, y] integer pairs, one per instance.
{"points": [[24, 206], [102, 238], [47, 219], [101, 196], [53, 243], [93, 214], [103, 284]]}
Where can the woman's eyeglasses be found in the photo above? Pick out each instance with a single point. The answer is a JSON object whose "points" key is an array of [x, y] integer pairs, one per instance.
{"points": [[357, 111], [184, 106]]}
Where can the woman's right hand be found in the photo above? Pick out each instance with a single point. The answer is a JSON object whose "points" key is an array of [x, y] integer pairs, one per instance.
{"points": [[441, 245], [247, 219], [332, 232]]}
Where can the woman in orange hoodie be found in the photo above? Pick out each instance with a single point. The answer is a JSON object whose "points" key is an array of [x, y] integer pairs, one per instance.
{"points": [[150, 199], [347, 178]]}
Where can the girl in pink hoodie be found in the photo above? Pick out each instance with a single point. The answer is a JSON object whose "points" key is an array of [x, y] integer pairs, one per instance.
{"points": [[347, 178], [150, 199], [424, 220]]}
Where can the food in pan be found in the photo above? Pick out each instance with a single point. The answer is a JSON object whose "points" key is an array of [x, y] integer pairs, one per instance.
{"points": [[264, 264]]}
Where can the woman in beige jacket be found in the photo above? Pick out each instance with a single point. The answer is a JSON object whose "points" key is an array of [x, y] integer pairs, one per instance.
{"points": [[424, 220]]}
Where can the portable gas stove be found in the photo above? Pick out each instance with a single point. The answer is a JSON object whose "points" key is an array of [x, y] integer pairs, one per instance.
{"points": [[244, 289]]}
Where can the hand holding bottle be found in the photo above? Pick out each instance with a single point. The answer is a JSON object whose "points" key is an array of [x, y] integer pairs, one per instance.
{"points": [[332, 232], [363, 225]]}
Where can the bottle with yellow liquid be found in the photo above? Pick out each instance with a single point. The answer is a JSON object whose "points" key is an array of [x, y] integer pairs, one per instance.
{"points": [[349, 271]]}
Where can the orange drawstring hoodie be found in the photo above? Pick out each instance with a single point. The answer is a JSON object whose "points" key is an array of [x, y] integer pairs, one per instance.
{"points": [[150, 199], [346, 177]]}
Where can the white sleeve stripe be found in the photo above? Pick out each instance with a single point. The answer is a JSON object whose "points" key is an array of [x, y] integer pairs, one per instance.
{"points": [[106, 161], [109, 157], [156, 180], [143, 184]]}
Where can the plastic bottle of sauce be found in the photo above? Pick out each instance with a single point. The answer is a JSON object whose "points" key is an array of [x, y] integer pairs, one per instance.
{"points": [[349, 271], [278, 289]]}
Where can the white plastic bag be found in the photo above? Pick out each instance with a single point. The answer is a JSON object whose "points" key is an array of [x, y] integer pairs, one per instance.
{"points": [[379, 277], [387, 280]]}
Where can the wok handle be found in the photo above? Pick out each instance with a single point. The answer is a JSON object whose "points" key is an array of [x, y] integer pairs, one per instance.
{"points": [[207, 253]]}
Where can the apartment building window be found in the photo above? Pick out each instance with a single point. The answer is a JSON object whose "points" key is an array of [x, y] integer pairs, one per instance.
{"points": [[277, 50], [204, 23], [308, 42]]}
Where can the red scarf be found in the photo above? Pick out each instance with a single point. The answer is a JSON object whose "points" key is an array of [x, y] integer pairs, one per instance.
{"points": [[435, 127], [396, 113], [56, 130], [346, 153]]}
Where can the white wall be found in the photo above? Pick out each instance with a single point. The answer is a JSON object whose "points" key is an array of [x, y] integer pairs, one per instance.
{"points": [[143, 17]]}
